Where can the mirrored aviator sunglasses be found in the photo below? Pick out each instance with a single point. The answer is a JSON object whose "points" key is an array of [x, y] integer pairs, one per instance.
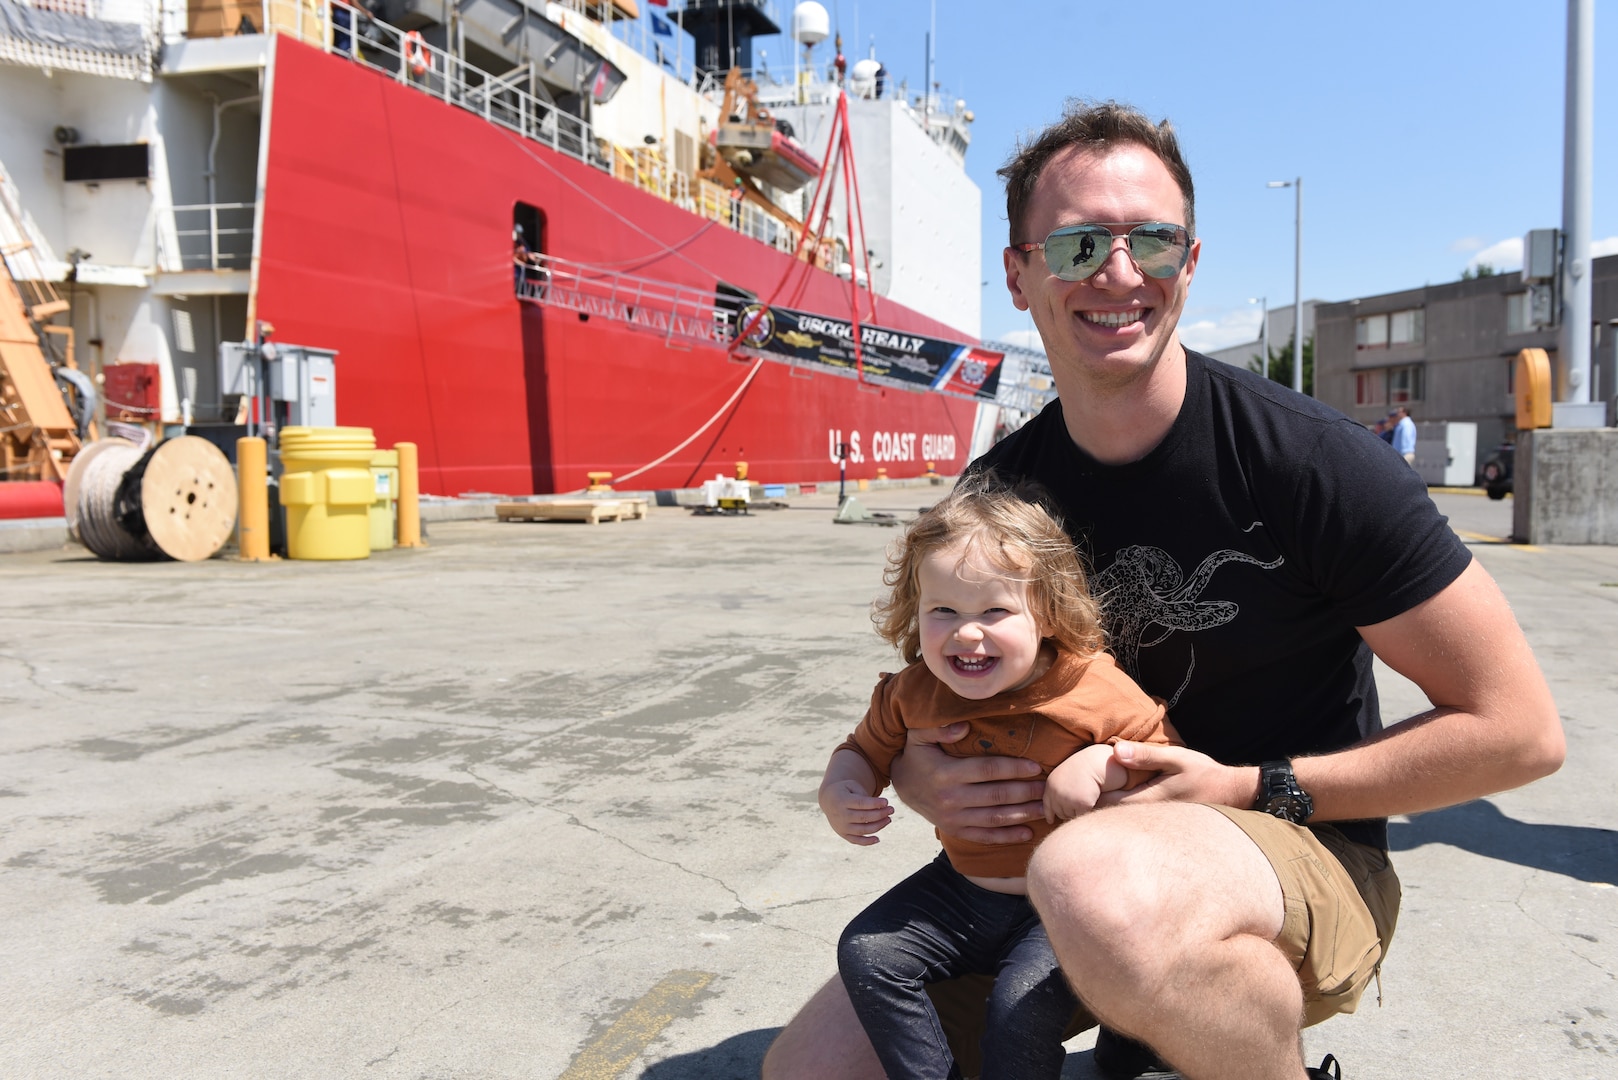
{"points": [[1074, 252]]}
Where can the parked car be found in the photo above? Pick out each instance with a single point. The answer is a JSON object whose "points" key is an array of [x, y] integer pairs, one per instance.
{"points": [[1497, 471]]}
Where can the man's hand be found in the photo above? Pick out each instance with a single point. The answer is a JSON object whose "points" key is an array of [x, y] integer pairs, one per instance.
{"points": [[1182, 775], [982, 799], [852, 813]]}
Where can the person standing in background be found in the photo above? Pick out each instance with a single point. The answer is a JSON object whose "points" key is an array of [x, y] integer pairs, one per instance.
{"points": [[1404, 434]]}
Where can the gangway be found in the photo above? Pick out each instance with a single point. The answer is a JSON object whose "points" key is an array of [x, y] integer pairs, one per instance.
{"points": [[682, 315]]}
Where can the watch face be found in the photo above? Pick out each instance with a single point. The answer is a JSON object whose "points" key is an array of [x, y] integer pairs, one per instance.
{"points": [[1286, 806]]}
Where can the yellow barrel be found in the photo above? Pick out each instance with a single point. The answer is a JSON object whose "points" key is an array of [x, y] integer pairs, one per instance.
{"points": [[327, 488], [385, 510]]}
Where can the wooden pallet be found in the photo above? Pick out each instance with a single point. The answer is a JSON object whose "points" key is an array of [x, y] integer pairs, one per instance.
{"points": [[592, 511]]}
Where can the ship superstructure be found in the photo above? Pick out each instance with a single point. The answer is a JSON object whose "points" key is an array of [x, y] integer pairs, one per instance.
{"points": [[534, 248]]}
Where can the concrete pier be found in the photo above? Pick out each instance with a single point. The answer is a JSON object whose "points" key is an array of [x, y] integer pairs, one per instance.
{"points": [[1566, 486], [538, 801]]}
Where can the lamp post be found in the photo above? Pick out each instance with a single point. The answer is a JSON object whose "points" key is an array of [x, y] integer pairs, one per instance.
{"points": [[1263, 334], [1297, 282]]}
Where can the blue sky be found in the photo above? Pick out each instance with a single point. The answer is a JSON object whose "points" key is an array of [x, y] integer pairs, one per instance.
{"points": [[1428, 132]]}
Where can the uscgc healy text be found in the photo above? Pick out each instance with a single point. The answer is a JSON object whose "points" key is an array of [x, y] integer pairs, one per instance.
{"points": [[869, 335]]}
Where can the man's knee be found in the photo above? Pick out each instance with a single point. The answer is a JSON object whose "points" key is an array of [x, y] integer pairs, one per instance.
{"points": [[824, 1040], [1091, 883]]}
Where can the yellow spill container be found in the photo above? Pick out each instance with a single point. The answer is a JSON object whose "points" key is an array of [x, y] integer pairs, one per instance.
{"points": [[385, 507], [328, 488]]}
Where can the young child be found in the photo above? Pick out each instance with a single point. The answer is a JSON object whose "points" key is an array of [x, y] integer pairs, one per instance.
{"points": [[990, 609]]}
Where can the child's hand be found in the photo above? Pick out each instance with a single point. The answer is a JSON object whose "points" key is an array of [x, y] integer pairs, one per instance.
{"points": [[1076, 784], [854, 815]]}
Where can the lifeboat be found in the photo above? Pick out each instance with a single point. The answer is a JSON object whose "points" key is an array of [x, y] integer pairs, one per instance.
{"points": [[766, 153]]}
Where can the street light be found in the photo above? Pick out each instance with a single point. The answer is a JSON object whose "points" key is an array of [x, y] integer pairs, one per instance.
{"points": [[1263, 334], [1297, 283]]}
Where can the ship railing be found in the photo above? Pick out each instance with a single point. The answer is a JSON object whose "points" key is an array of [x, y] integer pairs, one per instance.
{"points": [[340, 28], [112, 38], [206, 236], [604, 11], [680, 314], [1026, 384], [349, 31], [810, 89], [646, 168]]}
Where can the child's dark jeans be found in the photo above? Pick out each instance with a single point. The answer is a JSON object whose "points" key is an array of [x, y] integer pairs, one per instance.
{"points": [[936, 925]]}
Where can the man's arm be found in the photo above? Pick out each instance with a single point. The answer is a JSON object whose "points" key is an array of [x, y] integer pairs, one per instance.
{"points": [[1493, 724], [985, 800]]}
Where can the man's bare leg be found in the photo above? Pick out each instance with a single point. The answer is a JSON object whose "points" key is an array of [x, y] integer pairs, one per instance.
{"points": [[1163, 917], [823, 1042]]}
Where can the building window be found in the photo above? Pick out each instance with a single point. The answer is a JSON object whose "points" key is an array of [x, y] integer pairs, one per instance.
{"points": [[1371, 332], [1371, 387], [1406, 327], [1519, 315], [1404, 384]]}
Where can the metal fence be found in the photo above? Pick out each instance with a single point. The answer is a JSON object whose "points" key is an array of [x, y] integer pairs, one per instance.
{"points": [[207, 236]]}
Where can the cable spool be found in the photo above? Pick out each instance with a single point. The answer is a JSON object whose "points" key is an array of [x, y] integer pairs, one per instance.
{"points": [[176, 500]]}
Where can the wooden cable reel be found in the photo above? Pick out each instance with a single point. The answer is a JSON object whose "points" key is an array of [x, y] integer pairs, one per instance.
{"points": [[176, 500]]}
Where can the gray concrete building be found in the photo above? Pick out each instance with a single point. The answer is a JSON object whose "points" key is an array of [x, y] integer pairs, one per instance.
{"points": [[1280, 319], [1448, 352]]}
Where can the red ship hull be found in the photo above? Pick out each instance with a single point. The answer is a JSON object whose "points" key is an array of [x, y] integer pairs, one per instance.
{"points": [[386, 235]]}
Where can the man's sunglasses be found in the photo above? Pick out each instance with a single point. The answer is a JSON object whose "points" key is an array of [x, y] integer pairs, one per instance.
{"points": [[1074, 252]]}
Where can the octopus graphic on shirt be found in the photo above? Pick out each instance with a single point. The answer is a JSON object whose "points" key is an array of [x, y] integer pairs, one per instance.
{"points": [[1149, 598]]}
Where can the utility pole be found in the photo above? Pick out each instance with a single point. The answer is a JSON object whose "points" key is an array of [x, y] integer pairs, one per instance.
{"points": [[1264, 335], [1297, 278], [1573, 344]]}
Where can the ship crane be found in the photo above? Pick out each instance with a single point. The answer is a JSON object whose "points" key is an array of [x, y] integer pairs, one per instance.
{"points": [[38, 436], [750, 146]]}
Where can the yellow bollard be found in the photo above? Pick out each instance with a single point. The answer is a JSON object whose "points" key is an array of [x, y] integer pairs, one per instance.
{"points": [[253, 525], [741, 470], [598, 482], [409, 497]]}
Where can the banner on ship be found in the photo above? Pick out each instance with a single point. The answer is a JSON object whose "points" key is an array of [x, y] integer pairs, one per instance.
{"points": [[895, 357]]}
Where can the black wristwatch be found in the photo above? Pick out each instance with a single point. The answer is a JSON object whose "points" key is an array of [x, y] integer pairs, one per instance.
{"points": [[1279, 793]]}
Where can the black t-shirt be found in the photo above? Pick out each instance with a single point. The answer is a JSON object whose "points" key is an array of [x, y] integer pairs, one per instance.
{"points": [[1235, 560]]}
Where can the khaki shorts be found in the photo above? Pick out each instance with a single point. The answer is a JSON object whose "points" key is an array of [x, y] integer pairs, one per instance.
{"points": [[1341, 900]]}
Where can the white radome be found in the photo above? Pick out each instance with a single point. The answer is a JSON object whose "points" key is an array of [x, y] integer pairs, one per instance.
{"points": [[810, 23]]}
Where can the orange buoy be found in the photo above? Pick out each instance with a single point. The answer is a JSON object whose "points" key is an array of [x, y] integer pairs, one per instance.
{"points": [[415, 54]]}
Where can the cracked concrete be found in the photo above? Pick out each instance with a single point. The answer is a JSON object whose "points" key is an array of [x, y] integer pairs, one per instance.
{"points": [[455, 812]]}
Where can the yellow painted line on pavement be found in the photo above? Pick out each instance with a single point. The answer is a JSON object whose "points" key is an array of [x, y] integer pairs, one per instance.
{"points": [[611, 1052], [1484, 538]]}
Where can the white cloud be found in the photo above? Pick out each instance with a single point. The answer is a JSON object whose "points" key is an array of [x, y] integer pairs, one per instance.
{"points": [[1506, 256], [1468, 243], [1503, 257], [1218, 330]]}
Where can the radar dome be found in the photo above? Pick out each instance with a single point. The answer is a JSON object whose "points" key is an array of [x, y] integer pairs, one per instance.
{"points": [[863, 78], [810, 23]]}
